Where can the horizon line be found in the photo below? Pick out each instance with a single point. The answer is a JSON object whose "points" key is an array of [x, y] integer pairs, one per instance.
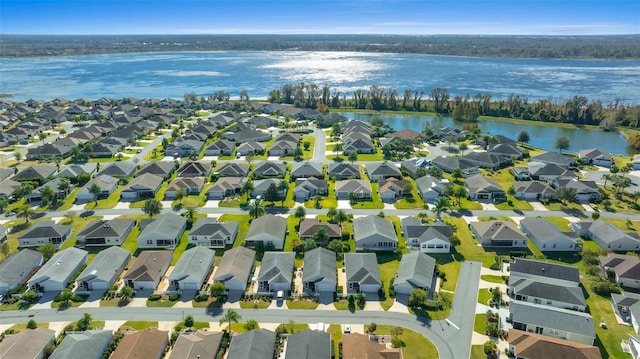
{"points": [[314, 34]]}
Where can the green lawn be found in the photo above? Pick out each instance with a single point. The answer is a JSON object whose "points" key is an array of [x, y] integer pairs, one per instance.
{"points": [[180, 248], [328, 201], [257, 304], [23, 326], [413, 201], [196, 325], [106, 203], [477, 352], [139, 324], [164, 302], [335, 330], [301, 304], [416, 345], [388, 264], [558, 206], [344, 305], [451, 270], [492, 278], [243, 226], [76, 225], [374, 203], [480, 323], [484, 296]]}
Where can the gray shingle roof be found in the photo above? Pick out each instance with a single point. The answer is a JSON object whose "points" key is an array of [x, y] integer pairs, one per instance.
{"points": [[197, 345], [26, 344], [309, 344], [320, 266], [46, 229], [61, 265], [544, 269], [416, 269], [167, 225], [193, 264], [148, 265], [211, 226], [543, 230], [83, 345], [609, 233], [362, 268], [105, 263], [277, 267], [254, 344], [550, 317], [236, 263], [14, 266], [372, 224], [100, 228], [273, 225], [539, 289]]}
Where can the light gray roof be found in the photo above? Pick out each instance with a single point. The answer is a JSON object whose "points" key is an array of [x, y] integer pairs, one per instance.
{"points": [[26, 344], [105, 182], [89, 344], [543, 231], [119, 169], [382, 168], [194, 263], [551, 317], [306, 169], [366, 226], [254, 344], [104, 265], [233, 169], [277, 267], [101, 228], [61, 265], [544, 269], [211, 227], [144, 181], [362, 268], [270, 168], [74, 170], [167, 225], [158, 168], [320, 266], [14, 266], [416, 269], [540, 289], [309, 344], [609, 233], [480, 183], [46, 229], [196, 345], [273, 225], [427, 182], [343, 169], [497, 230], [552, 157], [236, 263], [353, 185]]}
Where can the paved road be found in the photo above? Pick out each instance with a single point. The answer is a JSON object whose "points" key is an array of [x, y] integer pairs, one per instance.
{"points": [[319, 146]]}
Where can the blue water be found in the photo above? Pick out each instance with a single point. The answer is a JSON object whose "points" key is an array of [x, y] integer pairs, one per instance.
{"points": [[161, 75], [541, 136]]}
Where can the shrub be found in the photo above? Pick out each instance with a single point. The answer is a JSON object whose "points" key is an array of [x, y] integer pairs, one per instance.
{"points": [[201, 297], [155, 297], [605, 288], [174, 297], [396, 342]]}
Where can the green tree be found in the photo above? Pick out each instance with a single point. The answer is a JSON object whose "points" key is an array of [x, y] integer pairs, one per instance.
{"points": [[463, 147], [5, 249], [47, 250], [152, 207], [561, 144], [70, 216], [180, 195], [251, 325], [341, 216], [457, 174], [65, 296], [25, 212], [256, 209], [306, 145], [321, 235], [271, 193], [84, 323], [64, 186], [47, 195], [247, 188], [435, 171], [418, 298], [338, 246], [566, 194], [523, 137], [441, 205], [283, 187], [309, 244], [297, 153], [32, 324], [190, 214], [300, 212], [218, 289], [337, 148], [3, 203], [189, 322], [18, 156], [126, 292], [230, 316], [95, 190], [353, 156]]}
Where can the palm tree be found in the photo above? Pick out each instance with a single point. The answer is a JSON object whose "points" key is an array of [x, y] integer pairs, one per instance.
{"points": [[64, 186], [95, 190], [300, 212], [180, 195], [25, 212], [247, 187], [230, 316], [460, 193], [283, 186], [441, 205], [606, 177], [341, 216], [152, 207], [256, 209], [190, 214], [337, 148]]}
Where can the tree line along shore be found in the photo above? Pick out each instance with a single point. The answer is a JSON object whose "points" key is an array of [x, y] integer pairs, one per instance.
{"points": [[611, 47]]}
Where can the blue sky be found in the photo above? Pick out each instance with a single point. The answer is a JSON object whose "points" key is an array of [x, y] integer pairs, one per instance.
{"points": [[535, 17]]}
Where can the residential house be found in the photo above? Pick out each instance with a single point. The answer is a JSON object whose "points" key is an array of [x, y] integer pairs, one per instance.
{"points": [[362, 273], [627, 307], [520, 173], [231, 169], [533, 191], [427, 239], [120, 170], [310, 226], [143, 186], [499, 234], [358, 143], [359, 346], [75, 170], [391, 189], [148, 269], [269, 169], [548, 172], [247, 134], [251, 148], [416, 271], [254, 344], [382, 170], [545, 292], [481, 187], [90, 344], [162, 169], [208, 232], [548, 237], [307, 188], [164, 231], [36, 194], [361, 189], [554, 158], [320, 272], [194, 169], [430, 188], [36, 173], [343, 171], [487, 160], [586, 191], [595, 157], [309, 344], [54, 275], [184, 148], [201, 344], [27, 344], [307, 170], [235, 268], [104, 269], [267, 231], [104, 232], [107, 185], [16, 268], [190, 186], [44, 232], [220, 148], [553, 322], [276, 272], [8, 187], [192, 269], [102, 149], [607, 235], [283, 148], [226, 187], [451, 163], [506, 150], [625, 269], [374, 233], [262, 121], [634, 346], [261, 186], [4, 234], [149, 343], [558, 274], [528, 345]]}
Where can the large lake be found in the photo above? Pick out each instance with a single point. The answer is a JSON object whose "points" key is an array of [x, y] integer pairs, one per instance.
{"points": [[172, 74], [541, 136]]}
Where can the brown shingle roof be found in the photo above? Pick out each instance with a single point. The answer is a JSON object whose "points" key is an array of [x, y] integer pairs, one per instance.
{"points": [[358, 346], [142, 344], [536, 346]]}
